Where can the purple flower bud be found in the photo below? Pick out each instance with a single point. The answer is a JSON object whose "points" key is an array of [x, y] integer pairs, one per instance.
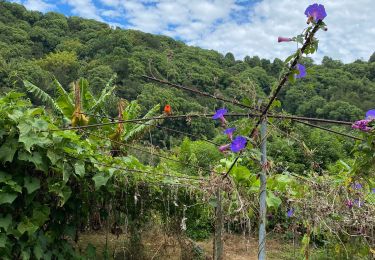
{"points": [[284, 39], [220, 115], [238, 144], [224, 147], [362, 125], [290, 212], [302, 71], [229, 132], [349, 203], [315, 12], [370, 114]]}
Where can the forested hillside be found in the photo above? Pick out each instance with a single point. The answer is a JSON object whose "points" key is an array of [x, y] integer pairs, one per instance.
{"points": [[85, 72], [38, 47]]}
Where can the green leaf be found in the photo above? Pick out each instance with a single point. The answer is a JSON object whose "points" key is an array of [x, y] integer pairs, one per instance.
{"points": [[31, 184], [40, 214], [272, 200], [79, 168], [291, 78], [6, 197], [5, 222], [38, 251], [35, 158], [241, 173], [27, 226], [34, 139], [8, 150], [54, 157], [42, 96], [100, 180], [25, 254]]}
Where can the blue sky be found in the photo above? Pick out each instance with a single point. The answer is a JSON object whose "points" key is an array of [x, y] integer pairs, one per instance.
{"points": [[242, 27]]}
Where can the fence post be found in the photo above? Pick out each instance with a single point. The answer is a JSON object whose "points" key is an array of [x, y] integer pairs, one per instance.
{"points": [[218, 241], [262, 193]]}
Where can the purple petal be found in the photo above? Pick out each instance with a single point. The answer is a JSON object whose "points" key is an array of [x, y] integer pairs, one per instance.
{"points": [[229, 130], [220, 113], [357, 186], [370, 114], [290, 212], [302, 71], [373, 190], [238, 144], [362, 125], [317, 12]]}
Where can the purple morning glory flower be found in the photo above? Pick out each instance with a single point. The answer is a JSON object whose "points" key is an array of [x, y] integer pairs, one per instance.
{"points": [[302, 71], [362, 125], [220, 115], [238, 144], [370, 114], [290, 212], [284, 39], [357, 186], [224, 147], [315, 12], [229, 132]]}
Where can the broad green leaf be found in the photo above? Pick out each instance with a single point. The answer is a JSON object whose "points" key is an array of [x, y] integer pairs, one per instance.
{"points": [[8, 150], [6, 197], [100, 180], [5, 221], [34, 139], [35, 158], [54, 157], [79, 168], [25, 254], [27, 226], [38, 251], [40, 214], [31, 184], [42, 96], [272, 200], [40, 125], [241, 173]]}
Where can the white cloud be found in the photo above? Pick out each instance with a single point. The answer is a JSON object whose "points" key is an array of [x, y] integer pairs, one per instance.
{"points": [[215, 24], [238, 26], [36, 5], [84, 8]]}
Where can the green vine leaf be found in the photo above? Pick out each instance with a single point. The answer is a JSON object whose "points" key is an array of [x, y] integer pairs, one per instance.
{"points": [[79, 168], [6, 197], [31, 184], [8, 150], [5, 222]]}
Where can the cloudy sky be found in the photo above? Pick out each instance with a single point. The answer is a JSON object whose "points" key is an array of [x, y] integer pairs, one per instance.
{"points": [[238, 26]]}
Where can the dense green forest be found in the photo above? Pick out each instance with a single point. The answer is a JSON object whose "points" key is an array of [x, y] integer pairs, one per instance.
{"points": [[40, 47], [41, 51]]}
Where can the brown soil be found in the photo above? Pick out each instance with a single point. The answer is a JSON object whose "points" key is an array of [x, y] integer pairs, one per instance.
{"points": [[158, 246]]}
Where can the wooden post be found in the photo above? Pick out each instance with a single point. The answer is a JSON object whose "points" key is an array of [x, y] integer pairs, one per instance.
{"points": [[218, 241], [262, 193]]}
